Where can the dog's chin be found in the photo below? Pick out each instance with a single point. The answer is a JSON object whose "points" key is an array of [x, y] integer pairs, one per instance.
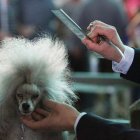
{"points": [[26, 113]]}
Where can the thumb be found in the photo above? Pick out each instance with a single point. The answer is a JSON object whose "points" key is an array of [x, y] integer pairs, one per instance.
{"points": [[90, 44], [50, 104], [33, 124]]}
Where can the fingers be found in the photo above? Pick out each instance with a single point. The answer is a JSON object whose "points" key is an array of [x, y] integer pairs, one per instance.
{"points": [[108, 32], [38, 121], [90, 44], [36, 116], [40, 118], [42, 112], [94, 23], [99, 28], [29, 118], [52, 105], [34, 124]]}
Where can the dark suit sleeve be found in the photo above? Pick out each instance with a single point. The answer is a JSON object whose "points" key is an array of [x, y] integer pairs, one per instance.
{"points": [[133, 73], [92, 127]]}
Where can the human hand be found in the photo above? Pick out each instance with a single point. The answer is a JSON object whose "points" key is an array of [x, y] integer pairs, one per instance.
{"points": [[112, 48], [60, 117]]}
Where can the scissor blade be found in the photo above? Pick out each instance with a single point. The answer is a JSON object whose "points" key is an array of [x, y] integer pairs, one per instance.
{"points": [[69, 23]]}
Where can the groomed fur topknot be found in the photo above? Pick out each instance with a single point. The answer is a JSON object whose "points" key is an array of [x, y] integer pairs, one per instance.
{"points": [[42, 62]]}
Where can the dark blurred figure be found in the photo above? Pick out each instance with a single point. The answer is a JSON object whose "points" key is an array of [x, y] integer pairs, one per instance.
{"points": [[110, 12], [131, 7], [35, 17], [7, 18], [78, 55], [133, 30]]}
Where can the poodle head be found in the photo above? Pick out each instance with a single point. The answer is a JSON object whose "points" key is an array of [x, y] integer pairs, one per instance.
{"points": [[33, 70], [28, 96]]}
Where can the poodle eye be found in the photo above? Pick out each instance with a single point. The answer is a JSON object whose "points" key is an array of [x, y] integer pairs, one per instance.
{"points": [[35, 96], [19, 95]]}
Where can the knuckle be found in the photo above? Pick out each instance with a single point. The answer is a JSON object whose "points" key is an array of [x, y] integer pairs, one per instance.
{"points": [[91, 23], [113, 29], [90, 35], [96, 27], [96, 22]]}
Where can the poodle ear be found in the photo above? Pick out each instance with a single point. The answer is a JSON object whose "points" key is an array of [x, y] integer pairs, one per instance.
{"points": [[8, 108]]}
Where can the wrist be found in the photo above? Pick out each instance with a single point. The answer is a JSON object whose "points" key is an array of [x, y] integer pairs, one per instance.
{"points": [[72, 121], [120, 53], [122, 48], [125, 63], [118, 57]]}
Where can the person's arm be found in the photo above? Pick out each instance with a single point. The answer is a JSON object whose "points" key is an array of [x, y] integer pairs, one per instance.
{"points": [[133, 73], [125, 59], [62, 117], [97, 128]]}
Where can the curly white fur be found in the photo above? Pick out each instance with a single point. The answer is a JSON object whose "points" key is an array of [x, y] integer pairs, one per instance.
{"points": [[42, 62]]}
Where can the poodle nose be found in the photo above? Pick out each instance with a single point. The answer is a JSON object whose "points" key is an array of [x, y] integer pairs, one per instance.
{"points": [[25, 106]]}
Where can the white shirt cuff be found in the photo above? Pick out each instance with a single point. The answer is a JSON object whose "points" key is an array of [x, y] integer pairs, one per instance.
{"points": [[78, 119], [125, 63]]}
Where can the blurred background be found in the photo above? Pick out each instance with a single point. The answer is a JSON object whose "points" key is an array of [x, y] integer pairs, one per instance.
{"points": [[99, 89]]}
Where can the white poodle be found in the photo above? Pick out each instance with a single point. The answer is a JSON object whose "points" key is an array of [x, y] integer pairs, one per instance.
{"points": [[30, 71]]}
